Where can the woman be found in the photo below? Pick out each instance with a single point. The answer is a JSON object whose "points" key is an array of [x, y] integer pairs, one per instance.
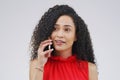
{"points": [[61, 47]]}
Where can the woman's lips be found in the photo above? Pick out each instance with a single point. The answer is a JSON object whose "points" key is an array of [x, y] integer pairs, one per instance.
{"points": [[59, 42]]}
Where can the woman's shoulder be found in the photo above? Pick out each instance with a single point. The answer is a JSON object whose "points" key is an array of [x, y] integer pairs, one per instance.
{"points": [[89, 65], [93, 73], [92, 66]]}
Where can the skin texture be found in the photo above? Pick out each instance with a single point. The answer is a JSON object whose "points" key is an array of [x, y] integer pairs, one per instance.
{"points": [[62, 38]]}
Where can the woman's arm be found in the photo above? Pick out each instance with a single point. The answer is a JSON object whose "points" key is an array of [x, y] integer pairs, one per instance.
{"points": [[35, 74], [93, 74], [37, 65]]}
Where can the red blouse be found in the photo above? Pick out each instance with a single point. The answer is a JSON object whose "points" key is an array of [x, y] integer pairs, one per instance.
{"points": [[71, 68]]}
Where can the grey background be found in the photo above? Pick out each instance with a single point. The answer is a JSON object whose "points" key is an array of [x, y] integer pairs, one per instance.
{"points": [[19, 17]]}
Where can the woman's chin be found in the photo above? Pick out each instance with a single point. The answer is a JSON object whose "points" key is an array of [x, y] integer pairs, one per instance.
{"points": [[59, 49]]}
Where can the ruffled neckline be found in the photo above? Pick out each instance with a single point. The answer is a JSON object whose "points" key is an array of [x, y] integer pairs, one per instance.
{"points": [[60, 59]]}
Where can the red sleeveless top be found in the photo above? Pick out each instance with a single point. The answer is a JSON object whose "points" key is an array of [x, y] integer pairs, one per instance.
{"points": [[71, 68]]}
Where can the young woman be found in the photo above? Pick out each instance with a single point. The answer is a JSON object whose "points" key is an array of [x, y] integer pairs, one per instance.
{"points": [[61, 47]]}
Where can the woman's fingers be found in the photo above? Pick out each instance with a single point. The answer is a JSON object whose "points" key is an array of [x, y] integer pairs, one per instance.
{"points": [[46, 52], [46, 41], [43, 55], [42, 47], [44, 44]]}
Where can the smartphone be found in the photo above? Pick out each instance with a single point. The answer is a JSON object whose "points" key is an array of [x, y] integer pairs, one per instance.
{"points": [[49, 47]]}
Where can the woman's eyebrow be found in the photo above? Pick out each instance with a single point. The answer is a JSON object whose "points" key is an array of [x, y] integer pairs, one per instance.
{"points": [[66, 25]]}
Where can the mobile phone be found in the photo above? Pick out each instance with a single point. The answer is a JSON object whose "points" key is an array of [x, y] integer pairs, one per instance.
{"points": [[49, 47]]}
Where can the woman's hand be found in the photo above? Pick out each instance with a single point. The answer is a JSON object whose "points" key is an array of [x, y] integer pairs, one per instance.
{"points": [[43, 55]]}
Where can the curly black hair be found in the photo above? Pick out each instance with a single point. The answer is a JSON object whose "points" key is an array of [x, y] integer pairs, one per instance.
{"points": [[82, 47]]}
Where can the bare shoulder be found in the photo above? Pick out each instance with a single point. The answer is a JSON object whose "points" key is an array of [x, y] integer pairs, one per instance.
{"points": [[93, 74], [92, 66]]}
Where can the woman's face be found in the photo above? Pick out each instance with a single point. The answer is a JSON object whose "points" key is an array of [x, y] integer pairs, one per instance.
{"points": [[63, 35]]}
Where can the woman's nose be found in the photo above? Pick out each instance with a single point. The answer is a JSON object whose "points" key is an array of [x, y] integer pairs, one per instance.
{"points": [[60, 33]]}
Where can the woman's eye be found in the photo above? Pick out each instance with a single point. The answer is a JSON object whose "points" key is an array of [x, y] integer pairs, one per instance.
{"points": [[67, 30], [55, 29]]}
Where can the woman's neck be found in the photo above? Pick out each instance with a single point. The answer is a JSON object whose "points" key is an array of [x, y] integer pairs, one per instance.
{"points": [[64, 54]]}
